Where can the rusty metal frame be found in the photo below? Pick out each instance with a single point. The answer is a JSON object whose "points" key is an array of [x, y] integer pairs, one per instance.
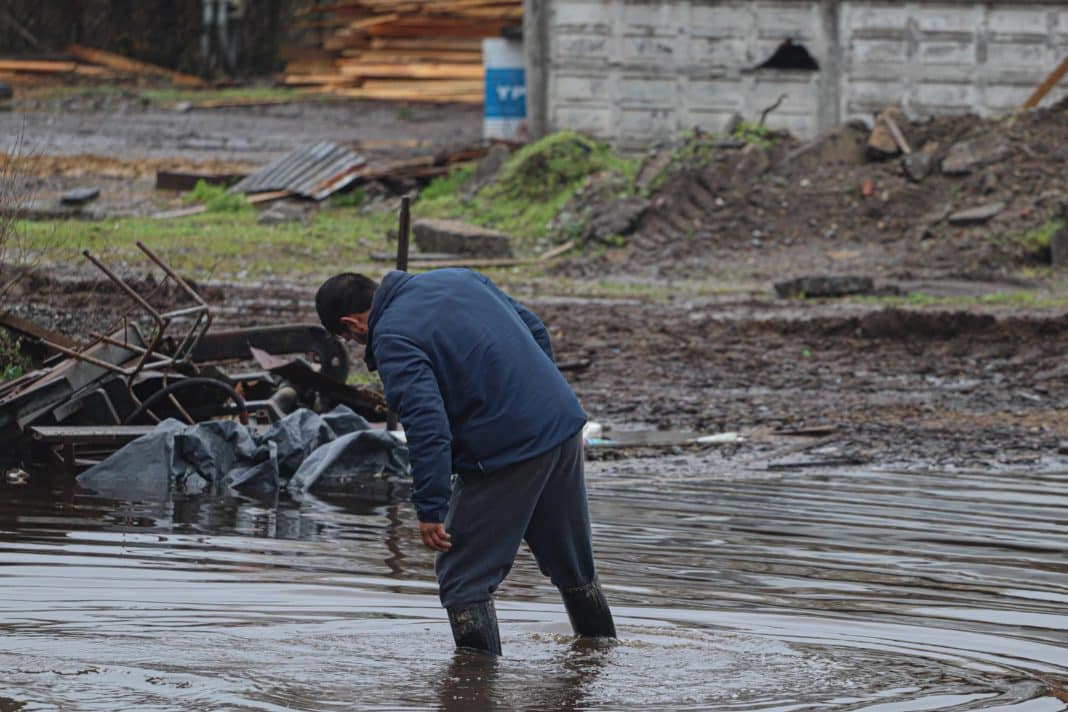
{"points": [[202, 319]]}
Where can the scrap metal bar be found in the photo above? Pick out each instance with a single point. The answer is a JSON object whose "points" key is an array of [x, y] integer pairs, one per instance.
{"points": [[186, 346], [88, 435], [161, 322], [81, 356], [403, 233], [403, 230]]}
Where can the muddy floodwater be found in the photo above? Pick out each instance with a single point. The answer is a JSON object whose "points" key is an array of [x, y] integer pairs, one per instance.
{"points": [[828, 590]]}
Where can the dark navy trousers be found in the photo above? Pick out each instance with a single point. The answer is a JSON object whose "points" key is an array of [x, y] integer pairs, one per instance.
{"points": [[542, 501]]}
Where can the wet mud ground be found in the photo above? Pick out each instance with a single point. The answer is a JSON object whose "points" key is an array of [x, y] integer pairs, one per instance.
{"points": [[804, 382]]}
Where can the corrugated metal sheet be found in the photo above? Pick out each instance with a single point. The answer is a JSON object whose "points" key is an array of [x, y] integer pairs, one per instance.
{"points": [[314, 172]]}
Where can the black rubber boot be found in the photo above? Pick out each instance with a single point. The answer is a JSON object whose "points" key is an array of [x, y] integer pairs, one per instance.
{"points": [[474, 627], [588, 611]]}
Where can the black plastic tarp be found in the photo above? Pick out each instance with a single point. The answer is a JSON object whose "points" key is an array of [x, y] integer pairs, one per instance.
{"points": [[303, 451]]}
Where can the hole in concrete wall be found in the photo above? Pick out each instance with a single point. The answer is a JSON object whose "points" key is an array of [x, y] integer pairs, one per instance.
{"points": [[791, 56]]}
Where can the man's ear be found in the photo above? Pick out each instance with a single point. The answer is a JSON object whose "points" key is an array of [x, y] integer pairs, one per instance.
{"points": [[356, 322]]}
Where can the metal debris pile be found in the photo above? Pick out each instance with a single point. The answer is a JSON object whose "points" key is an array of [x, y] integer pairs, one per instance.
{"points": [[86, 401]]}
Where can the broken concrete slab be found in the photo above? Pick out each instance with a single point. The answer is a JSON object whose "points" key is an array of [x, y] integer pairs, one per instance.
{"points": [[845, 144], [79, 196], [966, 156], [616, 219], [824, 286], [882, 143], [977, 215], [460, 238], [917, 166], [653, 167]]}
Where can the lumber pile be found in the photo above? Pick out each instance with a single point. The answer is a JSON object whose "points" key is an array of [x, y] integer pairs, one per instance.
{"points": [[408, 50], [80, 61]]}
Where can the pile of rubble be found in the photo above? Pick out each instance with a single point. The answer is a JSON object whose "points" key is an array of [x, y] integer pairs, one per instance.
{"points": [[82, 402], [951, 196]]}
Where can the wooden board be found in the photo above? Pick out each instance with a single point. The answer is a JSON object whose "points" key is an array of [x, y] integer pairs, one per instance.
{"points": [[404, 95], [42, 67], [411, 71], [404, 56], [125, 64]]}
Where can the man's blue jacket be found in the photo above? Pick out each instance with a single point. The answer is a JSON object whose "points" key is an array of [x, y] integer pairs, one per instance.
{"points": [[470, 372]]}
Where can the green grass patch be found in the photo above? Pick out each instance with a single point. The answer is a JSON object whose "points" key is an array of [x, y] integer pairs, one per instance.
{"points": [[1017, 299], [1037, 239], [447, 187], [533, 187], [754, 133], [350, 199], [227, 246], [169, 95], [216, 198]]}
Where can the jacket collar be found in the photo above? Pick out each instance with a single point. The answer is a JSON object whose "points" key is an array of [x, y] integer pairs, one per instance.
{"points": [[387, 289]]}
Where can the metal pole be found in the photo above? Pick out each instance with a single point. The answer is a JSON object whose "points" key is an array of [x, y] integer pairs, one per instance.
{"points": [[403, 229]]}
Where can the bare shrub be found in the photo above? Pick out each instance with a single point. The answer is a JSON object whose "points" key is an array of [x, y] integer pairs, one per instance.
{"points": [[16, 194]]}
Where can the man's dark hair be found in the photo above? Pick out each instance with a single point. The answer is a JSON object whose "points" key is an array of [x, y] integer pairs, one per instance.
{"points": [[341, 295]]}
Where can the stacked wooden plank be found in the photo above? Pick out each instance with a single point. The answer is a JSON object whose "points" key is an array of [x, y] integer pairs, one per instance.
{"points": [[82, 61], [414, 50]]}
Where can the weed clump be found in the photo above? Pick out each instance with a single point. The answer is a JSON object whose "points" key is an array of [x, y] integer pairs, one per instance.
{"points": [[532, 187], [13, 363], [216, 198], [1036, 241], [754, 133]]}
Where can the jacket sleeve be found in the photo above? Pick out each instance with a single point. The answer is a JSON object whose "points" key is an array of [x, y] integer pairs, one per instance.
{"points": [[412, 392], [537, 328], [534, 324]]}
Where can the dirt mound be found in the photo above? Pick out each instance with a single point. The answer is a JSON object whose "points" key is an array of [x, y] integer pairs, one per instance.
{"points": [[727, 205]]}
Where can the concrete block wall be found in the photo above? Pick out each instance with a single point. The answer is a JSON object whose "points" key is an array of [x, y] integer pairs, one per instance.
{"points": [[637, 71], [949, 57]]}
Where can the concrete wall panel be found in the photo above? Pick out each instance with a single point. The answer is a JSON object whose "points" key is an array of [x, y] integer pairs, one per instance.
{"points": [[1032, 20], [961, 50], [730, 20], [582, 88], [716, 95], [655, 91], [589, 16], [936, 17], [786, 20], [632, 70], [596, 121], [650, 50], [658, 16]]}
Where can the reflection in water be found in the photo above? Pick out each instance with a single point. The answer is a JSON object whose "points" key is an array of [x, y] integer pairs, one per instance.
{"points": [[785, 591], [472, 681]]}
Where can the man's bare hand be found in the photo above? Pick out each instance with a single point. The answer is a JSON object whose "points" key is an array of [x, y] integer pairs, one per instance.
{"points": [[435, 536]]}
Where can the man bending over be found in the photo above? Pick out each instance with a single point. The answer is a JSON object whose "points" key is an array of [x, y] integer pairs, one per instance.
{"points": [[470, 372]]}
